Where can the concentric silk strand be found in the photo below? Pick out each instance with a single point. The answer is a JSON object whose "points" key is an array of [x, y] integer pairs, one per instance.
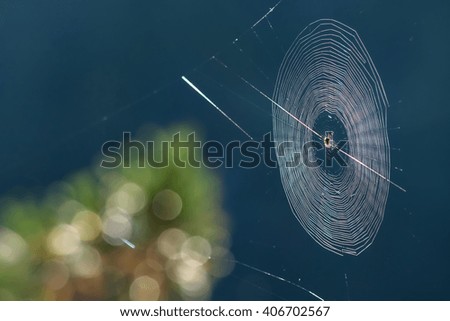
{"points": [[327, 69]]}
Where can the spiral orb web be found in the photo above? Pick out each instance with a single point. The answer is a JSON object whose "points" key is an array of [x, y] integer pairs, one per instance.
{"points": [[327, 73]]}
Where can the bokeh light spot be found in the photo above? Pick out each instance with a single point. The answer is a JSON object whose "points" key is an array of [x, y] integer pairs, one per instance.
{"points": [[130, 198], [167, 205], [170, 242], [88, 225], [87, 263], [196, 251], [144, 288], [12, 247], [116, 227], [64, 240]]}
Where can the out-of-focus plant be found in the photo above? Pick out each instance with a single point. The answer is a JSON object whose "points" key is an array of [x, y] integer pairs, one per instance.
{"points": [[117, 234]]}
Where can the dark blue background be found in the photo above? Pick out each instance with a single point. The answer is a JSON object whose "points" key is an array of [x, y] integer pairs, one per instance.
{"points": [[74, 74]]}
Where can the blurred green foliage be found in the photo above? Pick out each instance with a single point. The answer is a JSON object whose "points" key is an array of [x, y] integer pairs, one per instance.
{"points": [[117, 234]]}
